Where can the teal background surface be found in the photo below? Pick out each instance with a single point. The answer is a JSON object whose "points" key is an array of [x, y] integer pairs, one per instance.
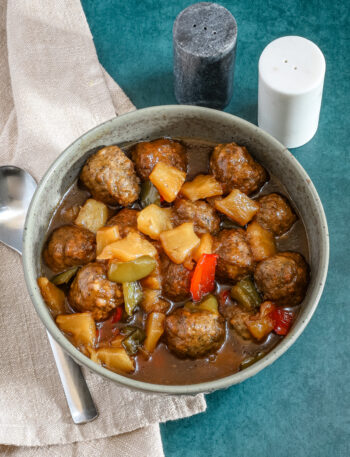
{"points": [[299, 406]]}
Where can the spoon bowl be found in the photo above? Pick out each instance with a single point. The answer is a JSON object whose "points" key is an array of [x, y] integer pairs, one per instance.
{"points": [[16, 191]]}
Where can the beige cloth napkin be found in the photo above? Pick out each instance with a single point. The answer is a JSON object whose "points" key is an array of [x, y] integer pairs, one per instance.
{"points": [[53, 89], [144, 442]]}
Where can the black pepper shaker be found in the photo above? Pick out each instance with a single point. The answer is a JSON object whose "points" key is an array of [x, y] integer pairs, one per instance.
{"points": [[204, 37]]}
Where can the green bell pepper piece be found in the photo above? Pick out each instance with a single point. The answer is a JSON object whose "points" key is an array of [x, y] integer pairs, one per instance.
{"points": [[66, 276], [245, 293], [209, 303], [132, 296], [149, 194], [133, 341], [131, 271], [226, 223]]}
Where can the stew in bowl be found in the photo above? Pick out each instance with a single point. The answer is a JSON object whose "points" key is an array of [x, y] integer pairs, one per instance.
{"points": [[175, 261]]}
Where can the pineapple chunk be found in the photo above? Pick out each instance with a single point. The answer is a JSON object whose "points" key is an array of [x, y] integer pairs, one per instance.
{"points": [[92, 353], [93, 215], [262, 242], [179, 242], [168, 180], [205, 246], [80, 325], [129, 248], [153, 220], [53, 296], [238, 207], [203, 186], [152, 301], [261, 324], [154, 330], [115, 358], [154, 280], [106, 236]]}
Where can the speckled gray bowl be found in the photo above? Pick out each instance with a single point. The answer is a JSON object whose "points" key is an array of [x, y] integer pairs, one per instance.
{"points": [[179, 121]]}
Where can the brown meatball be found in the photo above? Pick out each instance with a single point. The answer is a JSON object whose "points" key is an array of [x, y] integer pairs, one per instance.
{"points": [[235, 256], [147, 154], [235, 168], [194, 334], [69, 246], [126, 220], [92, 291], [236, 317], [204, 216], [275, 214], [283, 278], [176, 280], [110, 177]]}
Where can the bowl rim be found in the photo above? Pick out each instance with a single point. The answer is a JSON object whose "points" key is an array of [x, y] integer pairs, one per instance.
{"points": [[208, 386]]}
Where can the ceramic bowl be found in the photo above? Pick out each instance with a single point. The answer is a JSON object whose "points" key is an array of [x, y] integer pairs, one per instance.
{"points": [[192, 122]]}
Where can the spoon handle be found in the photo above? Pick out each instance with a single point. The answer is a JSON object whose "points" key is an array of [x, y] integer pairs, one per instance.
{"points": [[80, 402]]}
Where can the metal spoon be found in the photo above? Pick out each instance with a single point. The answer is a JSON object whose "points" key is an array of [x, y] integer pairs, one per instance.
{"points": [[16, 190]]}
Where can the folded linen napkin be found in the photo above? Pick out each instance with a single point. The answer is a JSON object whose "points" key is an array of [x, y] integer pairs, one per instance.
{"points": [[53, 89]]}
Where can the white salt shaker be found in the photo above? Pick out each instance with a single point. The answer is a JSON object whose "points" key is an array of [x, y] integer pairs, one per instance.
{"points": [[291, 75]]}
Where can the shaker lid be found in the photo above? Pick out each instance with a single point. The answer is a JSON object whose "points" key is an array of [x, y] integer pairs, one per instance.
{"points": [[292, 65], [205, 29]]}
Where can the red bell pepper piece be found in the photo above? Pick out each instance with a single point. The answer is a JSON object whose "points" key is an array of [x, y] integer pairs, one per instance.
{"points": [[203, 279], [117, 315], [282, 320]]}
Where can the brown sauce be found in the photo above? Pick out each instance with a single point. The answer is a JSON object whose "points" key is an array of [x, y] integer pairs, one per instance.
{"points": [[164, 367]]}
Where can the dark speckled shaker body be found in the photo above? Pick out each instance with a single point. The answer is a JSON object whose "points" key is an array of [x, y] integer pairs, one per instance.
{"points": [[204, 37]]}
